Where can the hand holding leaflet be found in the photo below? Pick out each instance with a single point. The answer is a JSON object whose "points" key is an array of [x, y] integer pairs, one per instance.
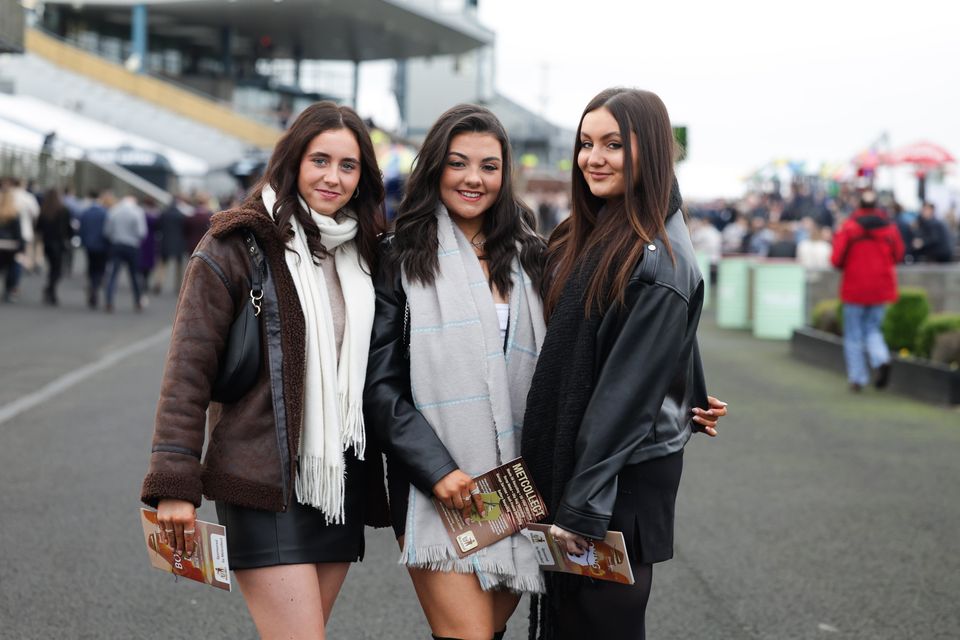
{"points": [[605, 559], [208, 564], [509, 500]]}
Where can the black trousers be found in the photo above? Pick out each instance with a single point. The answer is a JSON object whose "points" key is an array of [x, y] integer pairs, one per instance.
{"points": [[96, 268], [644, 513], [54, 257]]}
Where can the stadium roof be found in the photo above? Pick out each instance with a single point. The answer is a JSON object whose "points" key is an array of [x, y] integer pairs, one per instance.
{"points": [[315, 29]]}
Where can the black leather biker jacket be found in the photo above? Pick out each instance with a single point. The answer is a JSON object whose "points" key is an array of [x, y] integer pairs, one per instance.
{"points": [[648, 378]]}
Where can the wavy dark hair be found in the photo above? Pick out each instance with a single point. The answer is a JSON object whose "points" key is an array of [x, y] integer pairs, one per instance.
{"points": [[284, 170], [618, 237], [506, 224]]}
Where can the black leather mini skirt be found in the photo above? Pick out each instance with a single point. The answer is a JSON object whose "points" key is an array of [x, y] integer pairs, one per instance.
{"points": [[300, 535]]}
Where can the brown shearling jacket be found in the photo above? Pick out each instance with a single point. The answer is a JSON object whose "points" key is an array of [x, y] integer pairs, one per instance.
{"points": [[251, 456]]}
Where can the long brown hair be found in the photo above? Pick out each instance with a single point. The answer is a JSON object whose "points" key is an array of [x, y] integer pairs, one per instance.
{"points": [[8, 205], [505, 224], [52, 205], [619, 235], [284, 169]]}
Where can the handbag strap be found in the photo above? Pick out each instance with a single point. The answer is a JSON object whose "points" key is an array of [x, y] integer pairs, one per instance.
{"points": [[259, 266]]}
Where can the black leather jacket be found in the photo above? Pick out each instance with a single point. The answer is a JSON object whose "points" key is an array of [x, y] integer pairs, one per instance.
{"points": [[648, 378], [414, 451]]}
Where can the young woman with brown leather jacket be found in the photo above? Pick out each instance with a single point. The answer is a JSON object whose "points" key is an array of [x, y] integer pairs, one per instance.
{"points": [[286, 461]]}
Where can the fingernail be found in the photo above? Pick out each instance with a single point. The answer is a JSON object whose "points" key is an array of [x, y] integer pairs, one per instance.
{"points": [[723, 404]]}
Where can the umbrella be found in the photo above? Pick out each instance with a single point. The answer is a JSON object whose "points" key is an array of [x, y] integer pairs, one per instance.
{"points": [[924, 154], [868, 159]]}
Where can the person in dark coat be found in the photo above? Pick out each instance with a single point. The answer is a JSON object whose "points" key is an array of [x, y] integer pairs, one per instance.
{"points": [[148, 246], [867, 248], [54, 227], [195, 225], [172, 246], [932, 242], [93, 222]]}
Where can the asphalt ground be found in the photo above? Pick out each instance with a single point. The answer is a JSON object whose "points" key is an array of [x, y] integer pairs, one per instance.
{"points": [[815, 514]]}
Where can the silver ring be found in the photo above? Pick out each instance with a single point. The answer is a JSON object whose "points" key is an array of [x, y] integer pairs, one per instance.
{"points": [[190, 531], [168, 531], [475, 491]]}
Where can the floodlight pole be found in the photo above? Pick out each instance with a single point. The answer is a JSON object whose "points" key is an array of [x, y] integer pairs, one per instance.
{"points": [[138, 36], [356, 84]]}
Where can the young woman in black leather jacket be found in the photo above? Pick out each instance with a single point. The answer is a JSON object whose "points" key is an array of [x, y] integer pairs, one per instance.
{"points": [[459, 282], [614, 397]]}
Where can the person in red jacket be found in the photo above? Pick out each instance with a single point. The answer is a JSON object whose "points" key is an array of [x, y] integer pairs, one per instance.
{"points": [[867, 248]]}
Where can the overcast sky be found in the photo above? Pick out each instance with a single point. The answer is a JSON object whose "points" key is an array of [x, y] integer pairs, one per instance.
{"points": [[753, 80]]}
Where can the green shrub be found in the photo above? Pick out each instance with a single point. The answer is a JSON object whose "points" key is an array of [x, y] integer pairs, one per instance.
{"points": [[932, 327], [946, 349], [904, 317], [828, 316]]}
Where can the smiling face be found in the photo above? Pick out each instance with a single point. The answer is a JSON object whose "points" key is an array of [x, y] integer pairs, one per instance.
{"points": [[601, 155], [330, 171], [471, 179]]}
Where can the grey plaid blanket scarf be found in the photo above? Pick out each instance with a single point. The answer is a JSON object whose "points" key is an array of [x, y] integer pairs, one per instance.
{"points": [[473, 392]]}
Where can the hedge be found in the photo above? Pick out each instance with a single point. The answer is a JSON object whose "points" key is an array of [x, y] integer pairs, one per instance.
{"points": [[904, 317]]}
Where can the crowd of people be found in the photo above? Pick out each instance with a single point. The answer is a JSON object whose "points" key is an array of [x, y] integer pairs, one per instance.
{"points": [[801, 226], [42, 230]]}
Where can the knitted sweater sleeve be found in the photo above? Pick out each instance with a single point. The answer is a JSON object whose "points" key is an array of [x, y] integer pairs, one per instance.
{"points": [[631, 386]]}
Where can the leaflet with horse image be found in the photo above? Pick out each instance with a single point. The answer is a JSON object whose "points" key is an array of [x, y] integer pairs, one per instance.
{"points": [[511, 502], [605, 559], [207, 565]]}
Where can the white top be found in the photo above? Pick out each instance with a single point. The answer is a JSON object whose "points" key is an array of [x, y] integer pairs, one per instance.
{"points": [[503, 315]]}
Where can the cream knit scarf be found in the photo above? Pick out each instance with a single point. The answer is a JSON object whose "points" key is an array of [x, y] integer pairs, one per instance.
{"points": [[333, 393]]}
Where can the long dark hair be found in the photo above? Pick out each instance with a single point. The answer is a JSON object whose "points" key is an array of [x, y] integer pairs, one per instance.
{"points": [[505, 224], [284, 169], [52, 205], [618, 237]]}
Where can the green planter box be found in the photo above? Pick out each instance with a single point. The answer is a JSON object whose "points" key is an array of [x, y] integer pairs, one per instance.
{"points": [[779, 292], [703, 261], [733, 293]]}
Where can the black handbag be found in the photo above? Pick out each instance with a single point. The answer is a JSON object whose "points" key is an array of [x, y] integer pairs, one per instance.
{"points": [[240, 364]]}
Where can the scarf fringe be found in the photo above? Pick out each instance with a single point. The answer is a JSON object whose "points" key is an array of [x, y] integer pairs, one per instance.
{"points": [[322, 486], [352, 426], [438, 558]]}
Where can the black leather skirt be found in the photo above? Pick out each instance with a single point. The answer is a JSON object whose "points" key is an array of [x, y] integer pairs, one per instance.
{"points": [[299, 535]]}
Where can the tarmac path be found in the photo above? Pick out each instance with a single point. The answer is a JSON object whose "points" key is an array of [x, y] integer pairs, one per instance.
{"points": [[815, 514]]}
